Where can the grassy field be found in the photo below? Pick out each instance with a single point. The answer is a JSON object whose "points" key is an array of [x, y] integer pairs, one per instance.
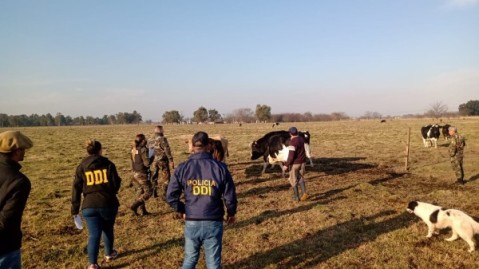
{"points": [[355, 218]]}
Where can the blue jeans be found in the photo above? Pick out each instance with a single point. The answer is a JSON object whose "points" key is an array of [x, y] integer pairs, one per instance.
{"points": [[11, 260], [206, 233], [100, 222]]}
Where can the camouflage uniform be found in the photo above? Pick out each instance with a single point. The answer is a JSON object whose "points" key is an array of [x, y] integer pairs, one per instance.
{"points": [[140, 165], [456, 152], [161, 163]]}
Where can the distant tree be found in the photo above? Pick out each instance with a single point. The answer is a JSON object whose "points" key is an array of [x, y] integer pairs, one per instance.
{"points": [[437, 109], [471, 108], [371, 115], [242, 115], [112, 119], [172, 116], [341, 116], [200, 115], [213, 115], [263, 113], [59, 119], [3, 120], [135, 117]]}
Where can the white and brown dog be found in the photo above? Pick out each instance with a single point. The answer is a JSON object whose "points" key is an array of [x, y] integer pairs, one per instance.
{"points": [[435, 217]]}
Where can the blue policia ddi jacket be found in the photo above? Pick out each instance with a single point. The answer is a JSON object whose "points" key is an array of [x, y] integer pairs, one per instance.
{"points": [[205, 183]]}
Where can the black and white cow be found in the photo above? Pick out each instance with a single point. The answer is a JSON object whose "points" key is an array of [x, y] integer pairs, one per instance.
{"points": [[445, 132], [430, 135], [273, 147]]}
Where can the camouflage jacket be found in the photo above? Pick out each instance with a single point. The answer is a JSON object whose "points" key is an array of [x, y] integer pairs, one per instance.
{"points": [[162, 148], [456, 148]]}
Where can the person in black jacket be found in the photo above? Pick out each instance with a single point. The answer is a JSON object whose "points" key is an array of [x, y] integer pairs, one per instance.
{"points": [[97, 179], [208, 186], [140, 164], [14, 190]]}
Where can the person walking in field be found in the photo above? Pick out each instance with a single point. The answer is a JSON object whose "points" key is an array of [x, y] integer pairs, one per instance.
{"points": [[456, 153], [208, 187], [14, 190], [161, 162], [296, 164], [97, 179], [141, 171]]}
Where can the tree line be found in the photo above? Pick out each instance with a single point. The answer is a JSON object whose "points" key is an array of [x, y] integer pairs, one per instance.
{"points": [[61, 120], [262, 113]]}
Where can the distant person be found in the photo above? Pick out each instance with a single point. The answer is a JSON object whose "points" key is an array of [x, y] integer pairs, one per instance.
{"points": [[97, 179], [296, 164], [141, 172], [14, 190], [161, 162], [456, 152], [207, 184]]}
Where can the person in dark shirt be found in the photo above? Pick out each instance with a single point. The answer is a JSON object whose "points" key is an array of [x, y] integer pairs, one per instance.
{"points": [[140, 164], [97, 179], [206, 183], [14, 190], [296, 163]]}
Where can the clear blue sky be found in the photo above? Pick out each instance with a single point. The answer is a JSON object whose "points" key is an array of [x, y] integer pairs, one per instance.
{"points": [[102, 57]]}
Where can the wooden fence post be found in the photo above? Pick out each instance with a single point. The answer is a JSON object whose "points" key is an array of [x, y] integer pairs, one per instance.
{"points": [[407, 148]]}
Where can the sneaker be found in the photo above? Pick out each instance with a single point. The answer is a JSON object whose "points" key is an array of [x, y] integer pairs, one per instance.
{"points": [[112, 256], [93, 266]]}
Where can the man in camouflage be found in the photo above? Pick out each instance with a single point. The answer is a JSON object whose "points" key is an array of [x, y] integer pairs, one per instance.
{"points": [[161, 162], [456, 152]]}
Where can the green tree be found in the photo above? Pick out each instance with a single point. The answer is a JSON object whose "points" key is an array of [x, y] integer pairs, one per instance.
{"points": [[263, 112], [59, 119], [471, 108], [172, 116], [200, 115], [214, 115]]}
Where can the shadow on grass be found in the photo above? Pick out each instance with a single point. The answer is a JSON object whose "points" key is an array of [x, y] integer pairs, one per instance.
{"points": [[264, 190], [318, 199], [324, 244], [330, 166], [473, 178], [148, 251]]}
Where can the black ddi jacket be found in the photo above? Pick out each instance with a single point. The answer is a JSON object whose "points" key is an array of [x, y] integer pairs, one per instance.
{"points": [[14, 190], [97, 179]]}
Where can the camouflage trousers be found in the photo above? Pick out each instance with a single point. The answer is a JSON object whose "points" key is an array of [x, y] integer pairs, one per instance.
{"points": [[161, 177], [144, 185], [456, 163]]}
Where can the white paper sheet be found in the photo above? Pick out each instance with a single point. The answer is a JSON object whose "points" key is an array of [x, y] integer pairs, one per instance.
{"points": [[78, 222]]}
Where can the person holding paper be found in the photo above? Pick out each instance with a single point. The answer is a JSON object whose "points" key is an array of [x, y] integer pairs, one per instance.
{"points": [[97, 179]]}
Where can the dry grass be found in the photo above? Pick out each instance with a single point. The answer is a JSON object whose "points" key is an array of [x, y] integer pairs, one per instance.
{"points": [[354, 219]]}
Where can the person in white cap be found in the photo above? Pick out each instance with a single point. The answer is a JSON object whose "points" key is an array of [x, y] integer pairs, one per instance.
{"points": [[14, 190]]}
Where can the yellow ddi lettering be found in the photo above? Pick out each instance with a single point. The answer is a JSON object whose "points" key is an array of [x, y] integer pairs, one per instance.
{"points": [[96, 177], [201, 190]]}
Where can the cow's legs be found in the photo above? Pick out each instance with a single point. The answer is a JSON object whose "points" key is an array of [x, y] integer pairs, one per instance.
{"points": [[265, 164]]}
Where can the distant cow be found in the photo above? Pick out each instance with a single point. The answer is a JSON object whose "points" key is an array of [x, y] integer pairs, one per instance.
{"points": [[273, 147], [383, 121], [219, 138], [430, 135], [445, 132]]}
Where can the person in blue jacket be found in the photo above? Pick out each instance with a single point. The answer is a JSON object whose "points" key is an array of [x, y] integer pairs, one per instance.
{"points": [[206, 183]]}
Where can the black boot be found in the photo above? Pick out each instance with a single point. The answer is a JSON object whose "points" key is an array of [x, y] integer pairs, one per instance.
{"points": [[135, 206], [143, 210], [295, 193], [304, 195]]}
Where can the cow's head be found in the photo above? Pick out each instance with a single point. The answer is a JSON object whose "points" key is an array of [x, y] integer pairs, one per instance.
{"points": [[256, 150]]}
